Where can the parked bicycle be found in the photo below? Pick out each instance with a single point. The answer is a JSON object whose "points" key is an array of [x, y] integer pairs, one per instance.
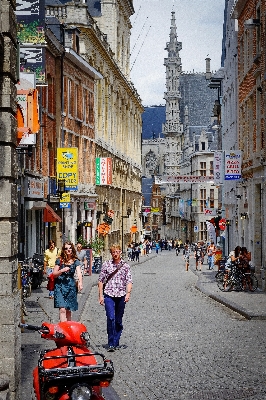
{"points": [[234, 277], [25, 276]]}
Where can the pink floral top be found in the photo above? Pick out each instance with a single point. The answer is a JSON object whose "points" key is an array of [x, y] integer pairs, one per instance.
{"points": [[116, 286]]}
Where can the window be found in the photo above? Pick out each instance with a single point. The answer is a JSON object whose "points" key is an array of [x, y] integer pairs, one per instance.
{"points": [[211, 167], [203, 145], [202, 199], [203, 169], [211, 198]]}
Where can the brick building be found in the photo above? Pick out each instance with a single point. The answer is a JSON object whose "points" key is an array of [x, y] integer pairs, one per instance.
{"points": [[250, 192], [105, 46]]}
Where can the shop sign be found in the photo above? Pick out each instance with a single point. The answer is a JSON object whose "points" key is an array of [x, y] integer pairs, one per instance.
{"points": [[89, 205], [103, 170], [34, 188], [67, 166], [65, 200], [232, 168]]}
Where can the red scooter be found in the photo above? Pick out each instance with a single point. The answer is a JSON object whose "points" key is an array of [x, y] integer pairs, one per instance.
{"points": [[70, 371]]}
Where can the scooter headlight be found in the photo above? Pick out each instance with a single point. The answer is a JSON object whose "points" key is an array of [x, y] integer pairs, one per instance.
{"points": [[81, 392]]}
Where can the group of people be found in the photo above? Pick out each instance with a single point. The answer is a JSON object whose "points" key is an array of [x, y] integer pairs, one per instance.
{"points": [[114, 284], [200, 250]]}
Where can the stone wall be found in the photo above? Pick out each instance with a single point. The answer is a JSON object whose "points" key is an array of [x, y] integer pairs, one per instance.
{"points": [[9, 293]]}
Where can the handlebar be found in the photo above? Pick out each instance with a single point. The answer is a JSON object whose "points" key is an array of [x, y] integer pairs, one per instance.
{"points": [[42, 329]]}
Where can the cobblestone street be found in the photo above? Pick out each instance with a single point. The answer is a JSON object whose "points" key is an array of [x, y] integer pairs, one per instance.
{"points": [[179, 344]]}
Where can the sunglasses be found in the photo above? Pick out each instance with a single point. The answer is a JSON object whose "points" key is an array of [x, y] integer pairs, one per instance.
{"points": [[68, 248]]}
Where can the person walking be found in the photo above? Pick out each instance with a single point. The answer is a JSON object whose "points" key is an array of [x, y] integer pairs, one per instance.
{"points": [[114, 289], [65, 291], [137, 251], [186, 253], [50, 256], [198, 256], [210, 254], [81, 254], [157, 247]]}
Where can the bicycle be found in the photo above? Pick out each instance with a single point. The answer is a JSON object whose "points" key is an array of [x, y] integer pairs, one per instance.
{"points": [[230, 279], [250, 281]]}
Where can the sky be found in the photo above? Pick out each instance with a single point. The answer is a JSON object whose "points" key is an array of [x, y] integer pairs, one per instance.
{"points": [[199, 29]]}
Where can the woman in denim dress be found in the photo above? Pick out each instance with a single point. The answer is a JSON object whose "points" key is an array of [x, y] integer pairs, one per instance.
{"points": [[65, 291]]}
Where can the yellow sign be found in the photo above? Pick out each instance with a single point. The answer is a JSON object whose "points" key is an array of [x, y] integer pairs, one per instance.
{"points": [[65, 198], [153, 209], [67, 166]]}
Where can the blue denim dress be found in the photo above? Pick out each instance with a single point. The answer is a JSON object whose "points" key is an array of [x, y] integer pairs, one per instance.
{"points": [[65, 291]]}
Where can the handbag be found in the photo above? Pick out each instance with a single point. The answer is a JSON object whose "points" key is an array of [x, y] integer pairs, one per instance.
{"points": [[51, 282]]}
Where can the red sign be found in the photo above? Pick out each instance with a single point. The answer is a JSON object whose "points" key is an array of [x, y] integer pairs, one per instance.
{"points": [[222, 224]]}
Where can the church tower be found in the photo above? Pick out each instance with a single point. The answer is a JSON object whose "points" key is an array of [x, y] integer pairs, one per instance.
{"points": [[173, 129]]}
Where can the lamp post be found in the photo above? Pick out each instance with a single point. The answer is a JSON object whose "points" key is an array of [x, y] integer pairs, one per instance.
{"points": [[124, 216]]}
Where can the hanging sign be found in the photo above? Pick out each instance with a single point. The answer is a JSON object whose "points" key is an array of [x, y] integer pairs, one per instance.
{"points": [[232, 167], [65, 200], [218, 167], [67, 166], [103, 170]]}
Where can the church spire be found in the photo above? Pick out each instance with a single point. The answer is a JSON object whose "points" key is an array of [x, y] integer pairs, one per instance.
{"points": [[173, 129]]}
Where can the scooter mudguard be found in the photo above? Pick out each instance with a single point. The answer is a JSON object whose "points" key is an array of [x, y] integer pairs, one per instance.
{"points": [[36, 384]]}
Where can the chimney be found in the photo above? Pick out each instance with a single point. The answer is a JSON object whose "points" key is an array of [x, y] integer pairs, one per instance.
{"points": [[208, 68]]}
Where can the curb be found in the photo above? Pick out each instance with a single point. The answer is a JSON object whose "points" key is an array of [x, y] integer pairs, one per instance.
{"points": [[228, 303]]}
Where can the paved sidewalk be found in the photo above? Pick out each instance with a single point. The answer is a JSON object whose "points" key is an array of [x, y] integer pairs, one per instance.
{"points": [[252, 305]]}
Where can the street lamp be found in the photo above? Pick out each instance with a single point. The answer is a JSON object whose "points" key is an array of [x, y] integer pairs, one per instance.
{"points": [[124, 216]]}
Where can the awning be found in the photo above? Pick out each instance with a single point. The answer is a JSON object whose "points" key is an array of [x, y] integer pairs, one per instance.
{"points": [[50, 215]]}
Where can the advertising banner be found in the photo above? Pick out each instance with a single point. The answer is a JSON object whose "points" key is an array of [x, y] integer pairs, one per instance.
{"points": [[67, 166], [181, 207], [159, 180], [31, 34], [103, 170], [232, 168]]}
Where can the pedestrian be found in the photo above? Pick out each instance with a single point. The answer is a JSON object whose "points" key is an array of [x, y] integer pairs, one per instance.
{"points": [[65, 291], [186, 253], [50, 256], [114, 287], [198, 256], [148, 247], [157, 247], [83, 260], [137, 252], [211, 249]]}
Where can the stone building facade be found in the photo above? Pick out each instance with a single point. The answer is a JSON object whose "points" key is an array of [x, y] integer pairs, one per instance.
{"points": [[117, 107], [9, 291], [250, 212], [185, 147]]}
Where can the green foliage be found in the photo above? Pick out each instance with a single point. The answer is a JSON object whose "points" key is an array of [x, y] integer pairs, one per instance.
{"points": [[83, 242], [96, 244]]}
